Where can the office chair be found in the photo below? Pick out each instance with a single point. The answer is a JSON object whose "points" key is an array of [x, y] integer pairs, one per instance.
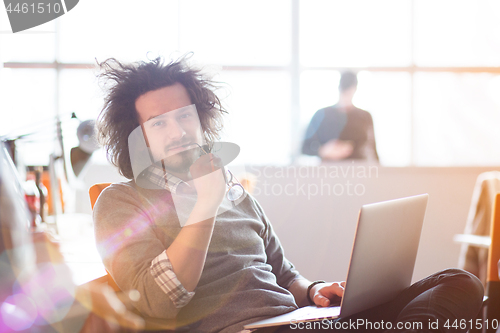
{"points": [[490, 315], [492, 310], [476, 239], [94, 192]]}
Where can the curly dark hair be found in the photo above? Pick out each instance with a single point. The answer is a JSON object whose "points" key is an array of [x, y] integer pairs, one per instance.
{"points": [[127, 82]]}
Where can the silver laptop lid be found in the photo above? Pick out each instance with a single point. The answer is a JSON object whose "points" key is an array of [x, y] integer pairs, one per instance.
{"points": [[384, 252]]}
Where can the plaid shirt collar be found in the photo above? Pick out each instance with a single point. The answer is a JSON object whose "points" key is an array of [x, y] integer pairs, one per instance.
{"points": [[158, 176]]}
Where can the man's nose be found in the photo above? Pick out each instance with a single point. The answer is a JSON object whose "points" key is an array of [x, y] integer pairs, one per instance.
{"points": [[175, 131]]}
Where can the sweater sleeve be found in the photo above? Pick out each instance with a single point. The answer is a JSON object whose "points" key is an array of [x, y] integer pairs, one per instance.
{"points": [[283, 269], [130, 250], [164, 275]]}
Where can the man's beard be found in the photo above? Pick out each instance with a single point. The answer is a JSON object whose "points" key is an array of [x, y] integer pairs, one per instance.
{"points": [[182, 161]]}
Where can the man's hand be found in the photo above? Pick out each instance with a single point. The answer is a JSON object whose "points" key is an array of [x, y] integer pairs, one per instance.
{"points": [[326, 294], [209, 180], [335, 150]]}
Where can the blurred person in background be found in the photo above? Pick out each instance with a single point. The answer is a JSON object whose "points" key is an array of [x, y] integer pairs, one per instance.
{"points": [[342, 131]]}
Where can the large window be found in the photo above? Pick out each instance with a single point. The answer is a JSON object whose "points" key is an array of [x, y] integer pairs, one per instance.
{"points": [[428, 71]]}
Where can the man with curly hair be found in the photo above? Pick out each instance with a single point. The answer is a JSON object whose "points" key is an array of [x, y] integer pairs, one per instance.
{"points": [[223, 266]]}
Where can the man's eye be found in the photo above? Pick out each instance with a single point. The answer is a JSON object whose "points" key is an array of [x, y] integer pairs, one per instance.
{"points": [[185, 116], [157, 123]]}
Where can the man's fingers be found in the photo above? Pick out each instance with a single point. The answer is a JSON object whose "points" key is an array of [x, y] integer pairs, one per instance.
{"points": [[335, 289], [205, 164], [216, 162], [328, 293], [321, 300]]}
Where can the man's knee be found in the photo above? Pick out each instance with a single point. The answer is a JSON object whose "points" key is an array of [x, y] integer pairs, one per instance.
{"points": [[464, 278], [465, 282]]}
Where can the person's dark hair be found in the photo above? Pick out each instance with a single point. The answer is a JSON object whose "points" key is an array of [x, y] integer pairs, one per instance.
{"points": [[348, 79], [126, 82]]}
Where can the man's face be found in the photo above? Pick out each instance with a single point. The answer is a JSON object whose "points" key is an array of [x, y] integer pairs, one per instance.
{"points": [[171, 126]]}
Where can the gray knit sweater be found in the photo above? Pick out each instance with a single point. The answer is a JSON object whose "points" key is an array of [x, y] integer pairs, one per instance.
{"points": [[245, 277]]}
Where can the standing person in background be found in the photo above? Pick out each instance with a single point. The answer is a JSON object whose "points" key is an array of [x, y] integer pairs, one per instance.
{"points": [[342, 131]]}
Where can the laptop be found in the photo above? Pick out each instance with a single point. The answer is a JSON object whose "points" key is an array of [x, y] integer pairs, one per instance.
{"points": [[382, 261]]}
